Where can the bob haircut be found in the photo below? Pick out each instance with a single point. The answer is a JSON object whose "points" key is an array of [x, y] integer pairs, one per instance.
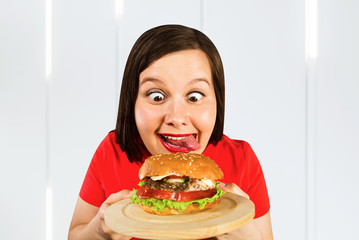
{"points": [[150, 46]]}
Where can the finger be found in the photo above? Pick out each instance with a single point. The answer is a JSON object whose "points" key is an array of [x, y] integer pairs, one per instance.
{"points": [[115, 197], [221, 237], [117, 236], [233, 188], [106, 229], [113, 235]]}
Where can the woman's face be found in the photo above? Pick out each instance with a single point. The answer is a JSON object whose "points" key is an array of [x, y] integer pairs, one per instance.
{"points": [[176, 108]]}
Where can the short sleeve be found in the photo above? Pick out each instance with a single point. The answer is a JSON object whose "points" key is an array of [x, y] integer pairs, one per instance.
{"points": [[92, 190], [257, 188]]}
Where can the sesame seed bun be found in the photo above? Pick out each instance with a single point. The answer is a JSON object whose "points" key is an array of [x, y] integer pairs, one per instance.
{"points": [[187, 164]]}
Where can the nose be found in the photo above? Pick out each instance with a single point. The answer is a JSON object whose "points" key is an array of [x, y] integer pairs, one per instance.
{"points": [[177, 114]]}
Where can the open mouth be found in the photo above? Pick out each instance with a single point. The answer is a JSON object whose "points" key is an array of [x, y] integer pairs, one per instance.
{"points": [[179, 142]]}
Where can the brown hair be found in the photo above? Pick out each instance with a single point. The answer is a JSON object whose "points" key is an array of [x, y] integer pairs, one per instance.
{"points": [[150, 46]]}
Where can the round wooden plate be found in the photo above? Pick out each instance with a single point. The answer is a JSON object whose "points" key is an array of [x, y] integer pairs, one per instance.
{"points": [[129, 219]]}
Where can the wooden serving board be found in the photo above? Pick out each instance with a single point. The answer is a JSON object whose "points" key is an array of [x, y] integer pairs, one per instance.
{"points": [[129, 219]]}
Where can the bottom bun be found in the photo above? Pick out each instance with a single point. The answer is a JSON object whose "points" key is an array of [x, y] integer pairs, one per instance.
{"points": [[171, 211]]}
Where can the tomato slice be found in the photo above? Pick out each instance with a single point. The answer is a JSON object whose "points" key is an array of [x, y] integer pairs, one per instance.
{"points": [[146, 192], [195, 195], [175, 176]]}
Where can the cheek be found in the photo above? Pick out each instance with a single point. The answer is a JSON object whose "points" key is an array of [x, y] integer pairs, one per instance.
{"points": [[146, 119], [206, 118]]}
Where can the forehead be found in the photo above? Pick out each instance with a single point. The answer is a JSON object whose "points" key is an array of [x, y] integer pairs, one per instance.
{"points": [[187, 64]]}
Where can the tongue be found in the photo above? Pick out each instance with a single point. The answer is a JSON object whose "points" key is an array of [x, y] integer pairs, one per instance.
{"points": [[188, 142]]}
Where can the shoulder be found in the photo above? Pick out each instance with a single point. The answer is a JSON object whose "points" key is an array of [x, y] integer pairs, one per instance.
{"points": [[239, 147], [228, 150], [229, 144], [232, 152], [108, 149], [109, 142]]}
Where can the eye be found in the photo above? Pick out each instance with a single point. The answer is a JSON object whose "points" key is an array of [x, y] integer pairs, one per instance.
{"points": [[156, 96], [195, 96]]}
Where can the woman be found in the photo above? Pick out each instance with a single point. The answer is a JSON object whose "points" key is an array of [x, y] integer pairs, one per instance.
{"points": [[172, 100]]}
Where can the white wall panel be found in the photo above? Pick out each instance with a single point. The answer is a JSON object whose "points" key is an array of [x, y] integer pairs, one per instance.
{"points": [[140, 15], [337, 133], [82, 97], [262, 47], [22, 120]]}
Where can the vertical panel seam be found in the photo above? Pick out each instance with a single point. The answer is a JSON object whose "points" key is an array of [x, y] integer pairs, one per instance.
{"points": [[310, 118], [48, 81], [201, 9], [119, 10]]}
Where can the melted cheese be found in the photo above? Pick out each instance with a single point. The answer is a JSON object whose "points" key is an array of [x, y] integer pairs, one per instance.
{"points": [[202, 184], [156, 178], [209, 183]]}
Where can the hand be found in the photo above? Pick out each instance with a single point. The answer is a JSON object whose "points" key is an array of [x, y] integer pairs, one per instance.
{"points": [[233, 188], [113, 198], [246, 232]]}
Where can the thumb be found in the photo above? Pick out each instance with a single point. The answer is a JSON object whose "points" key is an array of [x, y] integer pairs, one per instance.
{"points": [[233, 188], [115, 197]]}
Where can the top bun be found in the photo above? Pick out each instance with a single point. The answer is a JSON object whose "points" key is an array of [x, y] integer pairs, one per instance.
{"points": [[187, 164]]}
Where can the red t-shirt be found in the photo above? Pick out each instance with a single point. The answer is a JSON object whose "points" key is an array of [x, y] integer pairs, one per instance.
{"points": [[110, 171]]}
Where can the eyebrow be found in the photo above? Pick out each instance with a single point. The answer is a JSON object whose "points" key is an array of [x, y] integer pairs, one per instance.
{"points": [[201, 80], [150, 79]]}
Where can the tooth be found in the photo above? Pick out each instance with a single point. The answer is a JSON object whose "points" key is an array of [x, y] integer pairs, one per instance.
{"points": [[174, 138]]}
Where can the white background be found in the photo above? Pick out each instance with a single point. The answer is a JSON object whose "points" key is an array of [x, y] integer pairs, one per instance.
{"points": [[299, 114]]}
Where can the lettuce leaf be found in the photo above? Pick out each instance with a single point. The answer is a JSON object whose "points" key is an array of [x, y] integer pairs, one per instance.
{"points": [[160, 205]]}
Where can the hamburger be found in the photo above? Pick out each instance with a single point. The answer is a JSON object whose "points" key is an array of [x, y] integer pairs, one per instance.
{"points": [[177, 183]]}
